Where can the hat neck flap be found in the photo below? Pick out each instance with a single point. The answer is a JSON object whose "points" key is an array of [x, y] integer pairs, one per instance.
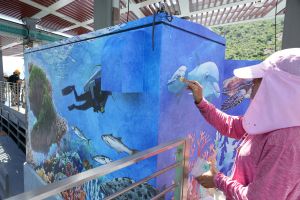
{"points": [[276, 104]]}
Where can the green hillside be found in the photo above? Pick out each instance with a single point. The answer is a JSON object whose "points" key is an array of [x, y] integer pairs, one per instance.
{"points": [[251, 41]]}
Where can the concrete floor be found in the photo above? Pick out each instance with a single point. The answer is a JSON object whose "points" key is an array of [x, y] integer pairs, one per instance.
{"points": [[11, 167]]}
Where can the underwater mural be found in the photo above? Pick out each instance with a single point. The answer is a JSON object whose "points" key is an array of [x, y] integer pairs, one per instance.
{"points": [[179, 117], [105, 96], [76, 125]]}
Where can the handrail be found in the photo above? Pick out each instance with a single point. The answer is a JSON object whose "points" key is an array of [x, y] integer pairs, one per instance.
{"points": [[142, 181], [13, 95], [11, 125], [171, 187], [81, 178]]}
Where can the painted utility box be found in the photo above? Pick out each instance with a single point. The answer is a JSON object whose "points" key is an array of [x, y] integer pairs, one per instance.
{"points": [[99, 97]]}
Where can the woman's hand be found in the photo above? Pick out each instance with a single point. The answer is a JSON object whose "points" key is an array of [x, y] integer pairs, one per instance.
{"points": [[207, 178], [196, 89]]}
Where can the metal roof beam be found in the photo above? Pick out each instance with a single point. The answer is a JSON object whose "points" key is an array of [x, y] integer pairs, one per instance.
{"points": [[280, 6], [18, 54], [221, 17], [19, 31], [29, 2], [228, 13], [248, 21], [221, 7], [232, 14], [216, 17], [211, 17], [75, 26], [243, 11], [140, 5], [246, 13], [184, 6], [135, 9], [11, 45], [57, 5], [250, 15]]}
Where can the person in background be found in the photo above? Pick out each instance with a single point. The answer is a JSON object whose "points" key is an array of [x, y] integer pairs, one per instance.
{"points": [[267, 164], [15, 83]]}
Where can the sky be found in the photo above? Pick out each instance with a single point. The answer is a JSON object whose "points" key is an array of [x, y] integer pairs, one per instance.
{"points": [[11, 63]]}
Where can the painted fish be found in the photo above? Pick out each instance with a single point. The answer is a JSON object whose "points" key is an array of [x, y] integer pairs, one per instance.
{"points": [[80, 134], [233, 84], [144, 191], [117, 144], [237, 90], [102, 159], [233, 100]]}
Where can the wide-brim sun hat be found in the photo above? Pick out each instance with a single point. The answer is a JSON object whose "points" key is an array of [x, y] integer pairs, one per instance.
{"points": [[275, 105], [287, 60]]}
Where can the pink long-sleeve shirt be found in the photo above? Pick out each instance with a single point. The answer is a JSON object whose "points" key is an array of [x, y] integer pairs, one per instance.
{"points": [[267, 166]]}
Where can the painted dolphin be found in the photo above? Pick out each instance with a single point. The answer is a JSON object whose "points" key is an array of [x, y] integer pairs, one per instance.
{"points": [[207, 74], [174, 85], [102, 159], [117, 144], [80, 134]]}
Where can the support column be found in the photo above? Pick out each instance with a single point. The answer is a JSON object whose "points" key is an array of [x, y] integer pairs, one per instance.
{"points": [[2, 85], [106, 13], [291, 29], [116, 12], [1, 66]]}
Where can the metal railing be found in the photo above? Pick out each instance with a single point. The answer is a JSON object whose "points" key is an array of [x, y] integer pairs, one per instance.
{"points": [[13, 95], [13, 128], [180, 183]]}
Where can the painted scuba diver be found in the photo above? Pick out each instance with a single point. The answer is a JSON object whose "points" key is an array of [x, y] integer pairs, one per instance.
{"points": [[93, 95]]}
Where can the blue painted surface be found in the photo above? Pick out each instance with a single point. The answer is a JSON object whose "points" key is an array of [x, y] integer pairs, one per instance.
{"points": [[124, 69]]}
